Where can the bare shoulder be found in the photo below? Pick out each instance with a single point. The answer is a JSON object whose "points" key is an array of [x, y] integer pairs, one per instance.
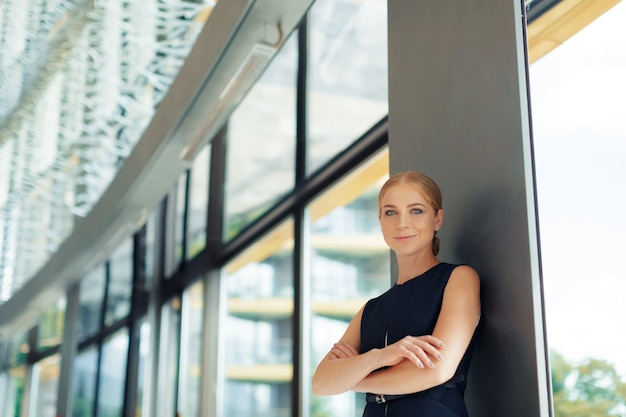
{"points": [[464, 276]]}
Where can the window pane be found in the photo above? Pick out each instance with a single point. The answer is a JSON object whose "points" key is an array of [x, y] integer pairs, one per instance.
{"points": [[50, 329], [19, 350], [113, 375], [349, 265], [168, 362], [151, 245], [348, 74], [120, 283], [258, 328], [578, 105], [45, 386], [191, 350], [84, 385], [91, 298], [198, 203], [179, 224], [15, 393], [145, 372], [261, 143]]}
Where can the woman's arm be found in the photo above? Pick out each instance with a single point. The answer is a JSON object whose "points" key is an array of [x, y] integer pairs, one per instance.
{"points": [[460, 312], [342, 368]]}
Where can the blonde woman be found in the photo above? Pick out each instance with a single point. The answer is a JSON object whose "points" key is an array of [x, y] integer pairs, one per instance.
{"points": [[409, 349]]}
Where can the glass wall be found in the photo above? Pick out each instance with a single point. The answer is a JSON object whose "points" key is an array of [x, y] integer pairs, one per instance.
{"points": [[348, 74], [258, 336], [45, 385], [14, 388], [50, 329], [198, 204], [84, 383], [168, 361], [190, 352], [91, 297], [578, 102], [349, 265], [119, 287], [260, 159], [112, 381]]}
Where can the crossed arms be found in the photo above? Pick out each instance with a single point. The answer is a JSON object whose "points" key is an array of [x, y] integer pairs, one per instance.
{"points": [[414, 363]]}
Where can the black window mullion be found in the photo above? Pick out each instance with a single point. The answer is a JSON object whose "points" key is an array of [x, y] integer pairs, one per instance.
{"points": [[299, 392], [138, 309]]}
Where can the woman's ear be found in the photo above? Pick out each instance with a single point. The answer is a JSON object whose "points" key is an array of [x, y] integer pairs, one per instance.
{"points": [[439, 219]]}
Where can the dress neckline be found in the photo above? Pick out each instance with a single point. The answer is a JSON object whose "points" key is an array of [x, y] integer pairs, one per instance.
{"points": [[419, 276]]}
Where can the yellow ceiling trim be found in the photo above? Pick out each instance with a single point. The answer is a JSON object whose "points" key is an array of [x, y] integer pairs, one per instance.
{"points": [[561, 22]]}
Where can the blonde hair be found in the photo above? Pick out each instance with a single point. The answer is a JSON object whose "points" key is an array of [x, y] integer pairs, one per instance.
{"points": [[424, 185]]}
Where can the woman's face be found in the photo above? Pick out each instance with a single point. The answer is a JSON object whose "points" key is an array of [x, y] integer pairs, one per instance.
{"points": [[407, 220]]}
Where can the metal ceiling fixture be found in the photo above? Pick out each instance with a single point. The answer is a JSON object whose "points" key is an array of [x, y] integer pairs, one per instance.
{"points": [[79, 83]]}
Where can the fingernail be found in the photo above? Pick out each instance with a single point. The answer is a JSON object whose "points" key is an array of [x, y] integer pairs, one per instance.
{"points": [[441, 344], [432, 365], [439, 356], [420, 364]]}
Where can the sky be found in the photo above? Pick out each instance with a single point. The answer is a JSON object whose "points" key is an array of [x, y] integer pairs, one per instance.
{"points": [[578, 100]]}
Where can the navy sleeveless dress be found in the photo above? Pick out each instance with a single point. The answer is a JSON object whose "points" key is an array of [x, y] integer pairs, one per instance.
{"points": [[412, 309]]}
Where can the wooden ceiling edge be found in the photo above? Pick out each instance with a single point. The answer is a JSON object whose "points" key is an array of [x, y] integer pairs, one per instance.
{"points": [[561, 22]]}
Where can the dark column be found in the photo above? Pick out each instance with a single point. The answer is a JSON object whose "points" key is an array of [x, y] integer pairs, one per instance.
{"points": [[458, 111]]}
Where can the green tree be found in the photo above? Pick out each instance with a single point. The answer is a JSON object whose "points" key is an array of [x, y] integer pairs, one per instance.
{"points": [[592, 388]]}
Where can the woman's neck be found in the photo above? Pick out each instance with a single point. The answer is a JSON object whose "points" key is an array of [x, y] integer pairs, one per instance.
{"points": [[411, 267]]}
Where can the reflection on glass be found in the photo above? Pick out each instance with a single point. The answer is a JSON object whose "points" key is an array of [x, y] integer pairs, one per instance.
{"points": [[258, 337], [113, 375], [50, 329], [84, 383], [179, 223], [198, 203], [18, 350], [120, 283], [349, 265], [15, 381], [44, 386], [190, 352], [348, 74], [91, 298], [144, 372], [151, 245], [168, 361], [578, 93], [261, 143]]}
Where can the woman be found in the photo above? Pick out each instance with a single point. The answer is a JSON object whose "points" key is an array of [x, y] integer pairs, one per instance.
{"points": [[409, 349]]}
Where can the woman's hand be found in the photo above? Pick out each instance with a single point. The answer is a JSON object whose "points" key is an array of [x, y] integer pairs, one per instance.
{"points": [[420, 350], [342, 350]]}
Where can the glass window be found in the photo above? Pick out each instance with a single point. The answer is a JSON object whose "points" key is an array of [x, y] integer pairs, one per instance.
{"points": [[14, 392], [144, 372], [578, 105], [179, 223], [113, 375], [168, 361], [348, 74], [120, 283], [260, 159], [84, 383], [50, 329], [257, 340], [19, 349], [91, 298], [349, 265], [198, 203], [152, 225], [191, 351], [45, 387]]}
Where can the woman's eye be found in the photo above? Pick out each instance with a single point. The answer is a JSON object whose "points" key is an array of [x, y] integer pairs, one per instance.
{"points": [[416, 211], [390, 212]]}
